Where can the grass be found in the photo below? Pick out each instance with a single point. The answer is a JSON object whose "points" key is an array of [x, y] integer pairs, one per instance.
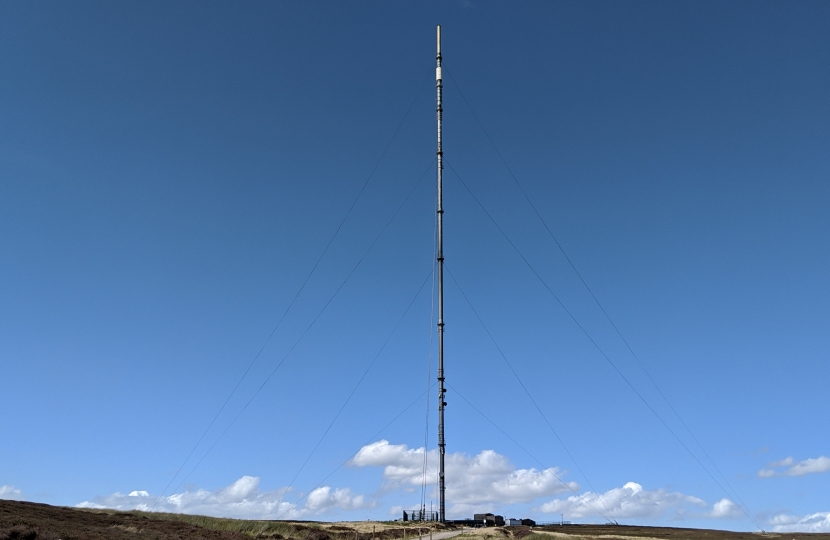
{"points": [[286, 530], [252, 528]]}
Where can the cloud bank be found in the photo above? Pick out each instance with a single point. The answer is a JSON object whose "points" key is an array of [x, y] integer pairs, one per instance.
{"points": [[814, 523], [479, 482], [792, 468], [10, 493], [487, 481], [632, 501], [241, 499]]}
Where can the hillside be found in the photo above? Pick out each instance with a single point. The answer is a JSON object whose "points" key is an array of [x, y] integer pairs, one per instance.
{"points": [[33, 521], [30, 521]]}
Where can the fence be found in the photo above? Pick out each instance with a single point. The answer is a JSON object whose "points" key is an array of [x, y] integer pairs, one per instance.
{"points": [[420, 515]]}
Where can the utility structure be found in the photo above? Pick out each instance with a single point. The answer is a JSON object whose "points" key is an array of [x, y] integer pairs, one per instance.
{"points": [[439, 156]]}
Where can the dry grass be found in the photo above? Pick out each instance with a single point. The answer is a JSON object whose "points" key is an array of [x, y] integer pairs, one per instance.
{"points": [[253, 528], [286, 530]]}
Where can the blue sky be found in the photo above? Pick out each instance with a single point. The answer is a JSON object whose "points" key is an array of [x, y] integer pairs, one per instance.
{"points": [[170, 174]]}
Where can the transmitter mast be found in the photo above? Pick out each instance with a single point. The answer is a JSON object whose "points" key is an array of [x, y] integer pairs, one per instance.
{"points": [[440, 261]]}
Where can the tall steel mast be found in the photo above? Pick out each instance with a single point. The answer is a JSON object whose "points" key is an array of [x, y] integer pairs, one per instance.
{"points": [[440, 260]]}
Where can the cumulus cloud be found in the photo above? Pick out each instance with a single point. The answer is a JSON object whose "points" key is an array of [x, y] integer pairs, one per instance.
{"points": [[241, 499], [725, 509], [812, 523], [323, 499], [632, 501], [474, 482], [10, 493], [792, 468]]}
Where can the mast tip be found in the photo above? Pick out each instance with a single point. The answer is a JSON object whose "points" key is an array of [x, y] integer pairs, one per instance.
{"points": [[438, 35]]}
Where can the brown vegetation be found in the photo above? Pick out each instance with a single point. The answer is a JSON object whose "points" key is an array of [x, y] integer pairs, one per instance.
{"points": [[32, 521], [633, 532]]}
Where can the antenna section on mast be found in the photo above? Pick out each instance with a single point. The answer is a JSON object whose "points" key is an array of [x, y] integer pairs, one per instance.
{"points": [[440, 262]]}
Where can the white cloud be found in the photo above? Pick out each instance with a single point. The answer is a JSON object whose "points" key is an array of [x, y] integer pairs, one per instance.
{"points": [[808, 466], [399, 462], [323, 499], [241, 499], [786, 462], [725, 509], [632, 501], [10, 493], [629, 501], [813, 523], [473, 482]]}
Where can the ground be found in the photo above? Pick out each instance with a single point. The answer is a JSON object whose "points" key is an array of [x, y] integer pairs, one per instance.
{"points": [[32, 521]]}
